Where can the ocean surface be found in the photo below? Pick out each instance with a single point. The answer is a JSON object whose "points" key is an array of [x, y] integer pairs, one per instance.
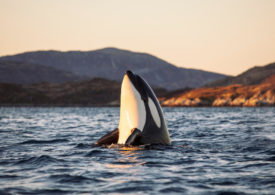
{"points": [[213, 151]]}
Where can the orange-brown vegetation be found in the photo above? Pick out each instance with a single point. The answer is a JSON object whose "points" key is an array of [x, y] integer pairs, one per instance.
{"points": [[233, 95]]}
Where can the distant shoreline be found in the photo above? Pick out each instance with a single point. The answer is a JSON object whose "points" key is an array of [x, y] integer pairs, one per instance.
{"points": [[117, 106]]}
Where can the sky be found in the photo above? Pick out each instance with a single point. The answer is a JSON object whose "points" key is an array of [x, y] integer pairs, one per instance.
{"points": [[224, 36]]}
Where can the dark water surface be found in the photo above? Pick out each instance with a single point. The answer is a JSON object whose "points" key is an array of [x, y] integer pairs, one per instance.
{"points": [[214, 151]]}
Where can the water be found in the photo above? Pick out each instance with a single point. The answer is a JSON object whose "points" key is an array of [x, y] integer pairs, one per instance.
{"points": [[214, 151]]}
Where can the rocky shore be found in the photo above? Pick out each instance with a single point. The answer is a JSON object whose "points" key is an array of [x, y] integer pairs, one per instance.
{"points": [[233, 95]]}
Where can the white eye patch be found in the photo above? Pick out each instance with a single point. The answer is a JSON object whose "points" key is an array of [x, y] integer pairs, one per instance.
{"points": [[154, 112]]}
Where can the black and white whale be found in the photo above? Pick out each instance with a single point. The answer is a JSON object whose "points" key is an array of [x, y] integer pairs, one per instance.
{"points": [[141, 117]]}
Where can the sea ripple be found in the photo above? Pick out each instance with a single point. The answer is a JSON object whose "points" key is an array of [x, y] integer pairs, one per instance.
{"points": [[213, 151]]}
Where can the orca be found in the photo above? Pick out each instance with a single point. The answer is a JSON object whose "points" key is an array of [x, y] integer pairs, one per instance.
{"points": [[141, 117]]}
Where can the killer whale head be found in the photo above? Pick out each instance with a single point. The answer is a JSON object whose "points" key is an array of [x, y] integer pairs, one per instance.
{"points": [[141, 116]]}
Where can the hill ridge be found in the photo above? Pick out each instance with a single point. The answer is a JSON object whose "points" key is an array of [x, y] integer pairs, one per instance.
{"points": [[111, 63], [252, 76]]}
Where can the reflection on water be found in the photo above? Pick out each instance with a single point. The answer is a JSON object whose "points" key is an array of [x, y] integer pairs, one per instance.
{"points": [[128, 158]]}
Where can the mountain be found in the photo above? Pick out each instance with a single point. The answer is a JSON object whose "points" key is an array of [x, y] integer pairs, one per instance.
{"points": [[25, 73], [252, 76], [111, 63]]}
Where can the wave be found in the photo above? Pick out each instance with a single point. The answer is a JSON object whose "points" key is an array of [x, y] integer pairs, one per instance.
{"points": [[67, 178], [53, 141], [82, 146], [93, 153], [259, 144], [11, 177], [41, 160], [24, 190]]}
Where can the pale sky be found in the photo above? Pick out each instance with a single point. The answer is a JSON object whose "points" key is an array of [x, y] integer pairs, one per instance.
{"points": [[224, 36]]}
